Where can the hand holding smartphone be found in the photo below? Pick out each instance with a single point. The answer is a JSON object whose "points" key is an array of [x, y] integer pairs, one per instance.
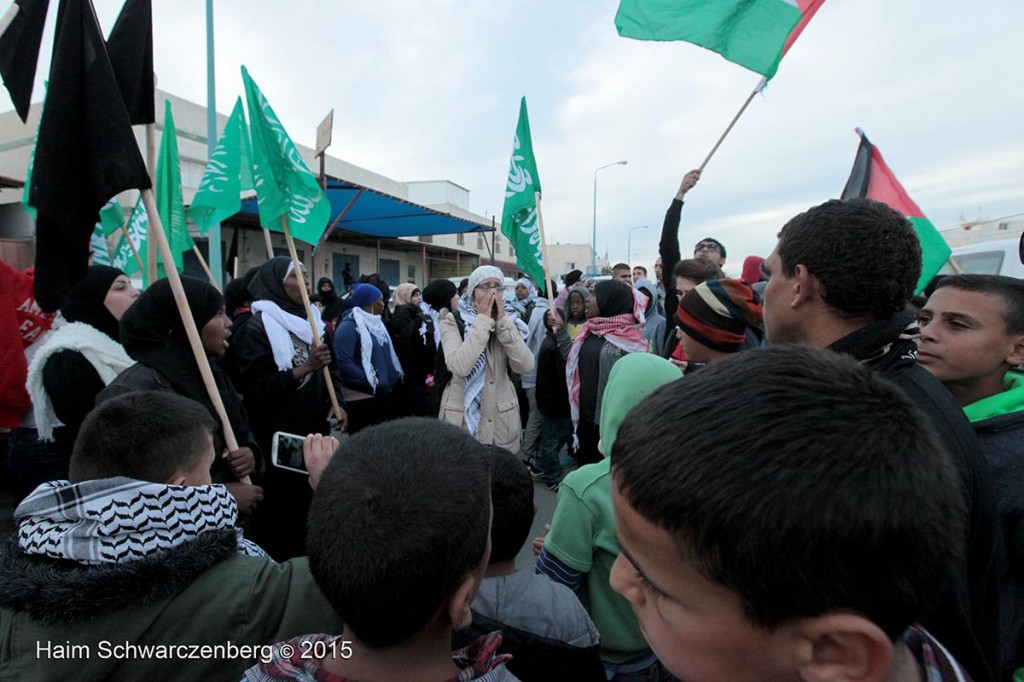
{"points": [[286, 452]]}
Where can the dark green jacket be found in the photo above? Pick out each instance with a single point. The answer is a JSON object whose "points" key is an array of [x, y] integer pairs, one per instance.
{"points": [[201, 592]]}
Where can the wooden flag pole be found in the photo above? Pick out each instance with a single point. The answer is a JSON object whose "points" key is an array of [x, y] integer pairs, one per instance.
{"points": [[131, 245], [205, 266], [309, 315], [8, 17], [735, 118], [156, 231], [544, 253], [150, 271], [270, 245], [956, 266]]}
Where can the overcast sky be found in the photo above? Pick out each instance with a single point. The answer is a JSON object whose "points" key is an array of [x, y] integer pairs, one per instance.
{"points": [[430, 90]]}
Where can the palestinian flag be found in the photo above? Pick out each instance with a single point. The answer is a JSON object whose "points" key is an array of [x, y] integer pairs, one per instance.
{"points": [[755, 34], [872, 179]]}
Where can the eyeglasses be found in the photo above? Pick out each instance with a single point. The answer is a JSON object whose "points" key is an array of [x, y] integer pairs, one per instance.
{"points": [[490, 286], [707, 246]]}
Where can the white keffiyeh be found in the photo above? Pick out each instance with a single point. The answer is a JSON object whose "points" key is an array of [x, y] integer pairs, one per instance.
{"points": [[280, 325], [371, 329]]}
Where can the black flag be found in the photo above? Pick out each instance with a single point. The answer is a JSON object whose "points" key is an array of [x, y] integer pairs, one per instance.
{"points": [[85, 152], [130, 46], [19, 52]]}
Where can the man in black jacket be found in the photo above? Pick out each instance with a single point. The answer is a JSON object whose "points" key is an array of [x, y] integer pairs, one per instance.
{"points": [[840, 277]]}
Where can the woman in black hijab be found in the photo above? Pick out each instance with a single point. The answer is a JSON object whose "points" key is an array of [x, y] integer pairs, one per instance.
{"points": [[333, 306], [284, 390], [66, 374], [154, 336]]}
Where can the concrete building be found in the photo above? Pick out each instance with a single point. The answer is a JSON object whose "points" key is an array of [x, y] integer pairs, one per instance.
{"points": [[975, 232], [397, 260]]}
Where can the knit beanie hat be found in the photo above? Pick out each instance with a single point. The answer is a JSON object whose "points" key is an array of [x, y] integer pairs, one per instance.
{"points": [[362, 295], [717, 313]]}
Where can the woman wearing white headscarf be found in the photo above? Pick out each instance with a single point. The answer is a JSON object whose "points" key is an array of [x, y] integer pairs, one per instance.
{"points": [[480, 342]]}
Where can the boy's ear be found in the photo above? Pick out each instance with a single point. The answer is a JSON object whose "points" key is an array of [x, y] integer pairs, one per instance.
{"points": [[1016, 356], [177, 478], [459, 606], [806, 286], [844, 647]]}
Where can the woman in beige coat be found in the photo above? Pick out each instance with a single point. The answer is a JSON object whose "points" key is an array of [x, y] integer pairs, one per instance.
{"points": [[480, 397]]}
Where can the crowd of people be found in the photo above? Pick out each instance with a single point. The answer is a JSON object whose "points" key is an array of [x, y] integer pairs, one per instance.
{"points": [[806, 472]]}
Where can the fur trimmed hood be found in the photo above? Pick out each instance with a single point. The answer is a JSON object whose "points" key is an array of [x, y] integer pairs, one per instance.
{"points": [[63, 592]]}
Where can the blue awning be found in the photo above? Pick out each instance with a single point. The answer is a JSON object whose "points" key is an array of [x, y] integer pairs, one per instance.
{"points": [[377, 214]]}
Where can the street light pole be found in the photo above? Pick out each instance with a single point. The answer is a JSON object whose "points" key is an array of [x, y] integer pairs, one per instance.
{"points": [[629, 241], [593, 243]]}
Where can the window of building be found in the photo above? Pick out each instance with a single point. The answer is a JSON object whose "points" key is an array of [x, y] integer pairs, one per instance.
{"points": [[412, 272], [479, 243], [511, 250], [427, 239], [497, 247], [1004, 226], [460, 239]]}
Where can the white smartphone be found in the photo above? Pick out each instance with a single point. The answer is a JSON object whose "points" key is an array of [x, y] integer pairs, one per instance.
{"points": [[286, 452]]}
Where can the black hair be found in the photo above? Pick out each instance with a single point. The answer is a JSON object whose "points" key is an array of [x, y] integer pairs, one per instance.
{"points": [[621, 266], [399, 519], [698, 271], [1010, 289], [145, 435], [805, 484], [721, 247], [463, 285], [640, 267], [512, 501], [865, 254]]}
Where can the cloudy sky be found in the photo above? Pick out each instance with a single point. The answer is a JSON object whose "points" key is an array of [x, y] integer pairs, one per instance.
{"points": [[430, 90]]}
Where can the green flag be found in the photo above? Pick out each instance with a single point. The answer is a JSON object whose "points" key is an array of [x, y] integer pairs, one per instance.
{"points": [[519, 216], [227, 175], [98, 245], [138, 223], [169, 203], [111, 217], [284, 183]]}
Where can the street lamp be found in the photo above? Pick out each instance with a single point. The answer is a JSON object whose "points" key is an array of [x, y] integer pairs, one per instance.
{"points": [[629, 241], [593, 243]]}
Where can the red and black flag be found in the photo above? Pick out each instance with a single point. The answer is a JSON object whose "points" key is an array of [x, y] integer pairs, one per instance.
{"points": [[130, 47], [19, 52], [85, 152], [871, 178]]}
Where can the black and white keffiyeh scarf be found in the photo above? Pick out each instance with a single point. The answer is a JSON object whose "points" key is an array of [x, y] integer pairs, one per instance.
{"points": [[118, 520], [883, 345], [475, 381]]}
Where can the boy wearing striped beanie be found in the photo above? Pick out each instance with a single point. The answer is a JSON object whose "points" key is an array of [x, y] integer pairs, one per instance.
{"points": [[714, 319]]}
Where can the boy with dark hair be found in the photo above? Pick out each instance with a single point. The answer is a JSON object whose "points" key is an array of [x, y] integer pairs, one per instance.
{"points": [[784, 544], [543, 624], [623, 273], [972, 336], [398, 540], [840, 278], [128, 553]]}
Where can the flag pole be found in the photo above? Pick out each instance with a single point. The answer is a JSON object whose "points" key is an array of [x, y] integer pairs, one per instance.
{"points": [[8, 17], [205, 266], [150, 271], [270, 245], [750, 97], [544, 252], [131, 245], [156, 232], [309, 315]]}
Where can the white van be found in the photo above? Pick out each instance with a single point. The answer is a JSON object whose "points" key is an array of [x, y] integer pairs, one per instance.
{"points": [[999, 257]]}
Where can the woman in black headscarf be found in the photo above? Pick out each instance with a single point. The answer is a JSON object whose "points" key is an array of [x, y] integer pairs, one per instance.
{"points": [[333, 307], [66, 374], [285, 390], [154, 336]]}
